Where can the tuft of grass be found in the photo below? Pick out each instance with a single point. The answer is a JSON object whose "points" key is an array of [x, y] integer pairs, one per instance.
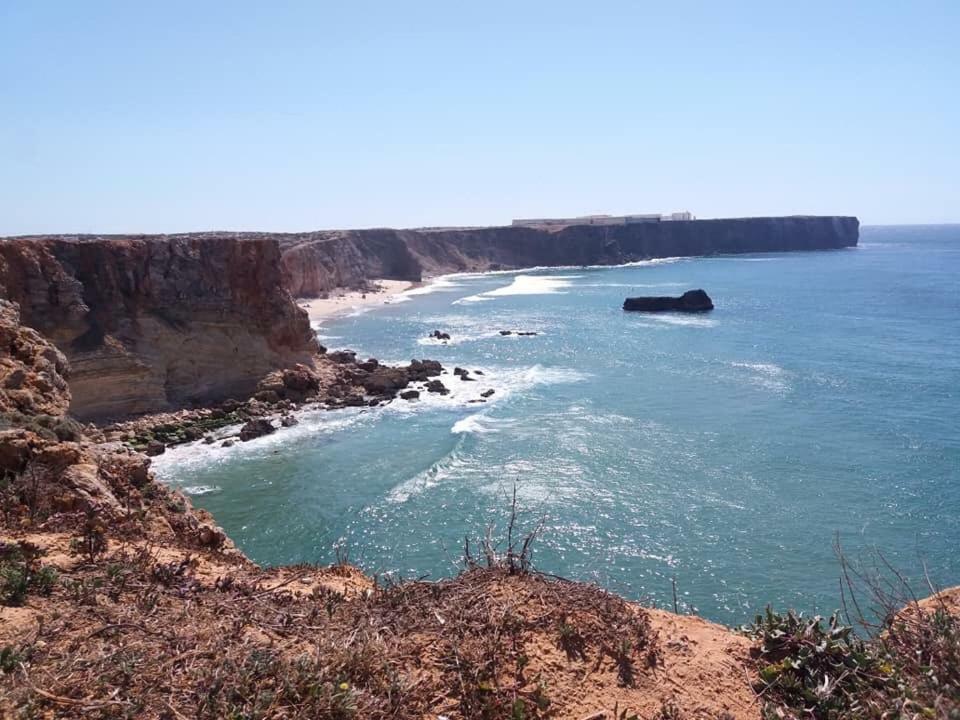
{"points": [[21, 572]]}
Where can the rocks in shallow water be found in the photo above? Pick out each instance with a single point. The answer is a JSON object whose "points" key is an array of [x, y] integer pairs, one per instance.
{"points": [[467, 378], [487, 393], [459, 371], [289, 421], [437, 386], [255, 428], [208, 440], [478, 372], [690, 301], [420, 370], [518, 333], [410, 394], [227, 443], [506, 332], [440, 335], [384, 381]]}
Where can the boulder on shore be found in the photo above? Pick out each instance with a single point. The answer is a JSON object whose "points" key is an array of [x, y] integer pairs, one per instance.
{"points": [[256, 428], [690, 301]]}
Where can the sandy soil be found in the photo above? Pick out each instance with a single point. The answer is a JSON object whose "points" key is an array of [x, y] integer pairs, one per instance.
{"points": [[343, 301]]}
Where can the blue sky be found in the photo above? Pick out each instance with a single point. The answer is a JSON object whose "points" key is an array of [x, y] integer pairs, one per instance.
{"points": [[176, 116]]}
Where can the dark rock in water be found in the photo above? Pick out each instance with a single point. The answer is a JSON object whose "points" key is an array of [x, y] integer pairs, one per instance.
{"points": [[526, 334], [208, 440], [487, 393], [385, 380], [192, 432], [420, 370], [690, 301], [460, 371], [478, 372], [227, 443], [410, 394], [467, 378], [255, 428], [436, 386], [517, 332], [440, 335], [476, 400], [506, 332], [288, 421]]}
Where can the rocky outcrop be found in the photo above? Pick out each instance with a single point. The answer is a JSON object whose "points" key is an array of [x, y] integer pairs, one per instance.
{"points": [[155, 323], [315, 263], [690, 301], [32, 371]]}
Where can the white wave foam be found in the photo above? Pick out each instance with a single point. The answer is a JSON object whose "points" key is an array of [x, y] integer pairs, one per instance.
{"points": [[504, 382], [764, 368], [471, 299], [534, 285], [439, 284], [650, 262], [524, 285], [766, 375], [189, 457], [199, 489], [538, 268], [472, 424], [681, 320], [449, 466]]}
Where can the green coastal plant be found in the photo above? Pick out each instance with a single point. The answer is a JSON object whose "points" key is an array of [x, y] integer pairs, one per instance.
{"points": [[822, 668], [21, 572]]}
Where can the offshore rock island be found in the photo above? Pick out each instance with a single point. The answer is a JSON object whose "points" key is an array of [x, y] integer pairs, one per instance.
{"points": [[119, 599]]}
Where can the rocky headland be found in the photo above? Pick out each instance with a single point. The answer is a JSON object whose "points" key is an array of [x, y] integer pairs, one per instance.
{"points": [[316, 263]]}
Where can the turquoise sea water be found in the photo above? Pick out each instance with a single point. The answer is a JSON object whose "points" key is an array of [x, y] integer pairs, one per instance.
{"points": [[724, 450]]}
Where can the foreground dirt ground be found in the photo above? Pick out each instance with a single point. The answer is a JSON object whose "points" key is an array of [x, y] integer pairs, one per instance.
{"points": [[146, 630]]}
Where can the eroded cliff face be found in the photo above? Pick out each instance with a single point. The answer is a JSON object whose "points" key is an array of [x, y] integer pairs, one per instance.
{"points": [[32, 371], [154, 323], [314, 263]]}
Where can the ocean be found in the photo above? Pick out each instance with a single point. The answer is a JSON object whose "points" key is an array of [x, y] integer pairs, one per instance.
{"points": [[723, 451]]}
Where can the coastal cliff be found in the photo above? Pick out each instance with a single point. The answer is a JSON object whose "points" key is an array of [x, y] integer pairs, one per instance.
{"points": [[153, 323], [315, 263]]}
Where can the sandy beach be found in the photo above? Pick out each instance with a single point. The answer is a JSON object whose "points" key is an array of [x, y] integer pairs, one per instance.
{"points": [[342, 301]]}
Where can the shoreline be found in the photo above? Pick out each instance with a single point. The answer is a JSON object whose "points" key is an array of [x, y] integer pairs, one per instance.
{"points": [[341, 301]]}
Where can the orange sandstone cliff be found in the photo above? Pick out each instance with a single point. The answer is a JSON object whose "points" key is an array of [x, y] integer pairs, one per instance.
{"points": [[151, 324]]}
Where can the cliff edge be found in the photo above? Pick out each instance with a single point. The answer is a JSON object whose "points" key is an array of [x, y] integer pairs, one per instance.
{"points": [[315, 263], [154, 323]]}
